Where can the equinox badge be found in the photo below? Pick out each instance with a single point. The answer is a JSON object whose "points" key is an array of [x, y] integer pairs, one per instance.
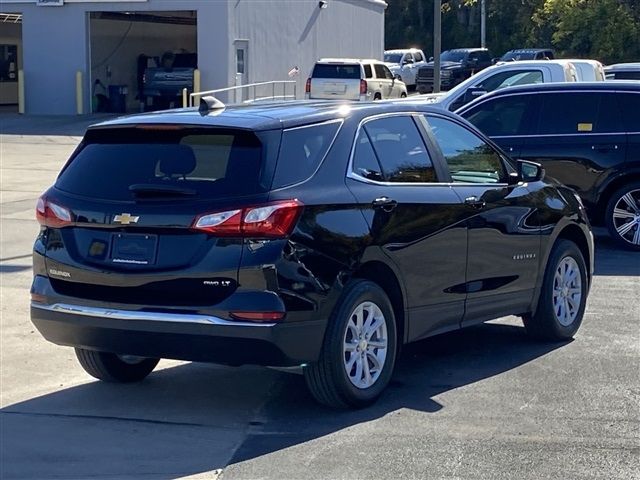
{"points": [[126, 218]]}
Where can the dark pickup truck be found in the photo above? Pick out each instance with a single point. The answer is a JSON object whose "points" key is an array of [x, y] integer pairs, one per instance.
{"points": [[164, 84], [455, 66]]}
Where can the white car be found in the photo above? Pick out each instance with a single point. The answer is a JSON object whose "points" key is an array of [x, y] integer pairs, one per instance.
{"points": [[588, 70], [405, 62], [353, 79]]}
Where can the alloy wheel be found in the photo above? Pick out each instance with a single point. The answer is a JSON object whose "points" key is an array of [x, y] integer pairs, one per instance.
{"points": [[365, 345], [626, 217], [567, 291]]}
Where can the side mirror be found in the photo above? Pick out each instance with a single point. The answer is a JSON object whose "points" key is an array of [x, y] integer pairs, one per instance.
{"points": [[397, 77], [472, 93], [529, 171], [407, 62], [431, 59]]}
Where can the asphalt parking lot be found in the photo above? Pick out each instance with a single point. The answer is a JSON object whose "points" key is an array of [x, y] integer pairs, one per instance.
{"points": [[483, 403]]}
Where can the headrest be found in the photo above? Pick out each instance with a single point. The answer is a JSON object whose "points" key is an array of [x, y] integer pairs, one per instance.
{"points": [[177, 160]]}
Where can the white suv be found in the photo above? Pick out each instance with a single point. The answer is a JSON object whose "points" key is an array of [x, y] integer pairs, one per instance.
{"points": [[352, 79]]}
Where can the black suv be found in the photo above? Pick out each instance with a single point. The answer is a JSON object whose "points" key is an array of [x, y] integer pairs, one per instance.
{"points": [[321, 235], [587, 136], [526, 54], [455, 66]]}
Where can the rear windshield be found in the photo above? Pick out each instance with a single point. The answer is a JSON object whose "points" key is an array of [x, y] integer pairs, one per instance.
{"points": [[128, 164], [326, 70]]}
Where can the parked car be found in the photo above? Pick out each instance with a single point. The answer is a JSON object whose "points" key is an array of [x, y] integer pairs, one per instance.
{"points": [[405, 63], [350, 79], [455, 66], [164, 84], [623, 71], [526, 54], [500, 76], [588, 70], [315, 234], [587, 136]]}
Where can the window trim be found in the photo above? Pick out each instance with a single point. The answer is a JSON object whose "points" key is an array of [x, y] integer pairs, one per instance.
{"points": [[436, 162]]}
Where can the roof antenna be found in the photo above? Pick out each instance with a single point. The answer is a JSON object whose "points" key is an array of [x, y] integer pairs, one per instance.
{"points": [[210, 103]]}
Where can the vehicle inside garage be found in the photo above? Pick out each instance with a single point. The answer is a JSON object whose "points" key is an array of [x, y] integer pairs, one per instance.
{"points": [[141, 60]]}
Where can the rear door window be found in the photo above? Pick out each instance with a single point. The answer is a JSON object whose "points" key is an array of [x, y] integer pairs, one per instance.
{"points": [[399, 149], [579, 113], [131, 163], [368, 73], [302, 151], [630, 111], [331, 70]]}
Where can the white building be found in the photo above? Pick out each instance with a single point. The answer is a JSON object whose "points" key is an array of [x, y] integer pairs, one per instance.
{"points": [[236, 41]]}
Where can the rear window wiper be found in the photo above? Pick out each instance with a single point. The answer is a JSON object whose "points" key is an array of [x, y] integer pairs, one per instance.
{"points": [[155, 190]]}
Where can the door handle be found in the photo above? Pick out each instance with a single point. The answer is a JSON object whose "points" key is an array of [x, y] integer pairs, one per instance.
{"points": [[385, 203], [475, 202]]}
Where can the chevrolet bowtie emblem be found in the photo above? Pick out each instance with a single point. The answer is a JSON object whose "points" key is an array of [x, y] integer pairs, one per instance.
{"points": [[126, 218]]}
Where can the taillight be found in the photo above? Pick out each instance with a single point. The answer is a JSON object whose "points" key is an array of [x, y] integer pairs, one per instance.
{"points": [[363, 87], [273, 220], [51, 214], [307, 87]]}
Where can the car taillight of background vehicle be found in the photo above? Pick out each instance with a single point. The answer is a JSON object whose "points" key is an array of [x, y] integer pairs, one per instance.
{"points": [[363, 87], [307, 87], [272, 220], [51, 214]]}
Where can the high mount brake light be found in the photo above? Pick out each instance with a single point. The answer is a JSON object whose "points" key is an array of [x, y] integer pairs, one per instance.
{"points": [[272, 220], [51, 214]]}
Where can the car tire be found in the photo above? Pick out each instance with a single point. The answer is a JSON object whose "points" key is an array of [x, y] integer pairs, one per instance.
{"points": [[403, 95], [563, 296], [376, 97], [622, 216], [110, 367], [351, 372]]}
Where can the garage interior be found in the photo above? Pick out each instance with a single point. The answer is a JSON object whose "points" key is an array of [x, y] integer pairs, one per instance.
{"points": [[124, 45], [10, 60]]}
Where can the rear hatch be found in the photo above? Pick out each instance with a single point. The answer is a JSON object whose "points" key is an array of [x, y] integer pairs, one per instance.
{"points": [[336, 81], [127, 203]]}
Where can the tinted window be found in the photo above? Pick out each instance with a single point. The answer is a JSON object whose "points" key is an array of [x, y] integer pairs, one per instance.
{"points": [[365, 162], [630, 107], [189, 163], [469, 158], [326, 70], [302, 151], [575, 113], [418, 57], [367, 71], [484, 56], [509, 79], [387, 72], [500, 116], [624, 76], [400, 150], [379, 68], [453, 56]]}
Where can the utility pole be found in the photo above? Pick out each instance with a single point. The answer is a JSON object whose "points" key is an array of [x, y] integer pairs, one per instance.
{"points": [[437, 43], [483, 24]]}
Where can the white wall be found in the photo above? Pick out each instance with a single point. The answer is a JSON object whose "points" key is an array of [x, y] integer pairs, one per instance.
{"points": [[346, 28], [116, 44]]}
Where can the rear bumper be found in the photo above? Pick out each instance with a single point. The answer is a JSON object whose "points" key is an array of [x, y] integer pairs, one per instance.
{"points": [[192, 337]]}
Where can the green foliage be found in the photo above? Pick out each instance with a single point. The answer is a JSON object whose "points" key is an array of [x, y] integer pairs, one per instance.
{"points": [[607, 30]]}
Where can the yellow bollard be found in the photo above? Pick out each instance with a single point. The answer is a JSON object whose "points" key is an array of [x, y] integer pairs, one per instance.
{"points": [[79, 106], [20, 91], [196, 81], [184, 98]]}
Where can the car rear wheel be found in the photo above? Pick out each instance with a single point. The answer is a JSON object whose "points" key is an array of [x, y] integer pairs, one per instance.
{"points": [[563, 297], [359, 350], [110, 367], [623, 216], [403, 95]]}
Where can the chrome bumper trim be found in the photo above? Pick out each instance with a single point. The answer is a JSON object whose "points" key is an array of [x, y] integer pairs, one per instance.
{"points": [[144, 316]]}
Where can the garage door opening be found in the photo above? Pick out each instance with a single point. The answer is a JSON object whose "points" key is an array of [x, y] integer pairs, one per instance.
{"points": [[10, 60], [141, 61]]}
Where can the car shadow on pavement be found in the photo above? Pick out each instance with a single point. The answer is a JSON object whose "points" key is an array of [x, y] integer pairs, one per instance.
{"points": [[193, 418], [613, 260]]}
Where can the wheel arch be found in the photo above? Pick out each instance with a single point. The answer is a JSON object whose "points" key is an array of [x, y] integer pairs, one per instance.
{"points": [[384, 276], [608, 190]]}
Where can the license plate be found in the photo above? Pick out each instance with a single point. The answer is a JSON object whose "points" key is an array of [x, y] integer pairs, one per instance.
{"points": [[136, 249]]}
